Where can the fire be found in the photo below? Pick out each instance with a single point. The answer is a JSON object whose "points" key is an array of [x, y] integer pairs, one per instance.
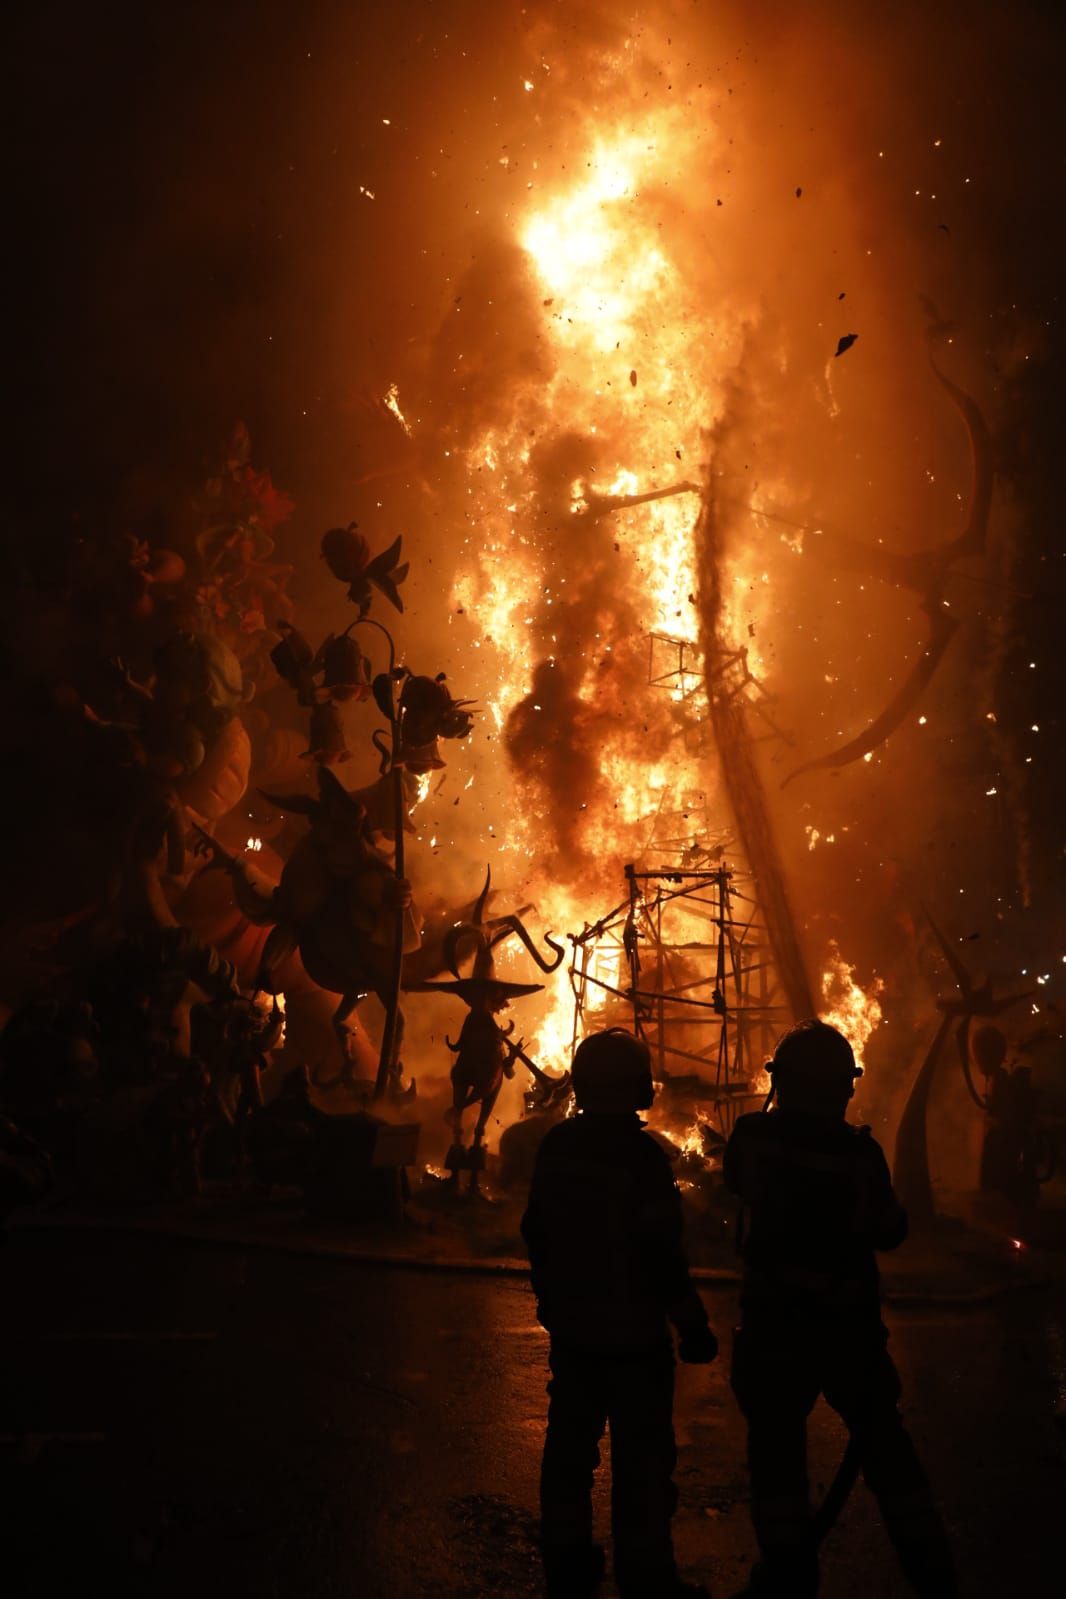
{"points": [[603, 264], [391, 403], [857, 1014], [692, 1143], [584, 511]]}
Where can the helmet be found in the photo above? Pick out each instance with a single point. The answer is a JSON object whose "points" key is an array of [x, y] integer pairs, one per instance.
{"points": [[813, 1068], [611, 1073]]}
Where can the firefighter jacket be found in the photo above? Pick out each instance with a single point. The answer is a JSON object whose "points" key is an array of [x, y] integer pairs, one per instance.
{"points": [[816, 1202], [604, 1231]]}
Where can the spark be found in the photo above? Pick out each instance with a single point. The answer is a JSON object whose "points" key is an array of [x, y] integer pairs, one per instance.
{"points": [[392, 403]]}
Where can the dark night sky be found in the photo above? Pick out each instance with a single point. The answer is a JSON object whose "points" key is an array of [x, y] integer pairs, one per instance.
{"points": [[182, 180]]}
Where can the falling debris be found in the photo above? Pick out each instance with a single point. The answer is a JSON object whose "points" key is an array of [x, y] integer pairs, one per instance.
{"points": [[845, 344]]}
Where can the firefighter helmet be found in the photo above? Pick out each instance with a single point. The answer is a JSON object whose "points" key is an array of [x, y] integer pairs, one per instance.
{"points": [[813, 1067], [611, 1073]]}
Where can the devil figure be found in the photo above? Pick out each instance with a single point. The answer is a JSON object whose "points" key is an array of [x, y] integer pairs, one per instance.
{"points": [[484, 1055]]}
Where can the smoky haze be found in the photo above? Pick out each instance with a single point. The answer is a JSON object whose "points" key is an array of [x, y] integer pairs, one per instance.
{"points": [[275, 213]]}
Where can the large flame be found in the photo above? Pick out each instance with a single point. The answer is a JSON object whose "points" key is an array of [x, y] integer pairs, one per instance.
{"points": [[637, 357]]}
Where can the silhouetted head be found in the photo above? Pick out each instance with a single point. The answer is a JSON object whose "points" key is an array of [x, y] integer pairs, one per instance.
{"points": [[611, 1073], [988, 1046], [814, 1069]]}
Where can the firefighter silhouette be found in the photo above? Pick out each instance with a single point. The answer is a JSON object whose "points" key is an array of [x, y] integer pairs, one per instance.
{"points": [[816, 1203], [603, 1228]]}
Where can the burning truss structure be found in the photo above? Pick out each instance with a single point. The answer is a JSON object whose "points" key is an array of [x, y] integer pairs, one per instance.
{"points": [[684, 961], [685, 958]]}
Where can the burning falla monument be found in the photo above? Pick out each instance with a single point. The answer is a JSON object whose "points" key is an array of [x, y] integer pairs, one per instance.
{"points": [[636, 475]]}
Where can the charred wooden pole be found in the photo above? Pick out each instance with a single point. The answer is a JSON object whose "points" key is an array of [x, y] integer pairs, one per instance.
{"points": [[729, 723], [741, 776]]}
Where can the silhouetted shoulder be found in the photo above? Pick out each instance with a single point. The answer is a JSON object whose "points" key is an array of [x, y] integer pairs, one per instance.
{"points": [[867, 1148], [653, 1151], [557, 1139], [756, 1124]]}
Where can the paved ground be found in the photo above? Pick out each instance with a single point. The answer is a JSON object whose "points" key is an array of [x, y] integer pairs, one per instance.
{"points": [[196, 1420]]}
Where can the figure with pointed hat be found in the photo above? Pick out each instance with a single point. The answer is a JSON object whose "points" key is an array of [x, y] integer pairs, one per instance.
{"points": [[485, 1053], [484, 1056]]}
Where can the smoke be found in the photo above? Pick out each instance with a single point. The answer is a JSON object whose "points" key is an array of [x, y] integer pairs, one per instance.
{"points": [[278, 216]]}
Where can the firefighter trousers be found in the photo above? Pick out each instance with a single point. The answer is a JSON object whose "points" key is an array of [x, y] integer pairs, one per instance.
{"points": [[778, 1374], [632, 1396]]}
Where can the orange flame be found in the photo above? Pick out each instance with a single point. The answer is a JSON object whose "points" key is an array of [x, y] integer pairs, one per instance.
{"points": [[856, 1013], [636, 361]]}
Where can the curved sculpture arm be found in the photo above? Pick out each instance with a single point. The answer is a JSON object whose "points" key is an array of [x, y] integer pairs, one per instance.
{"points": [[926, 571], [463, 939], [942, 630], [974, 536], [473, 929], [377, 738], [962, 1039], [516, 925]]}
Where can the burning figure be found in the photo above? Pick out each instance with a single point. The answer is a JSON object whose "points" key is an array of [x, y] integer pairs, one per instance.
{"points": [[484, 1057], [485, 1054], [337, 904]]}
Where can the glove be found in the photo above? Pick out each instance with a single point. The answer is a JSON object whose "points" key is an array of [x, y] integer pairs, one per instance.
{"points": [[697, 1347]]}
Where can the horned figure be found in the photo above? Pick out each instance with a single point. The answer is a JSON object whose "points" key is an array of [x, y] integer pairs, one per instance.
{"points": [[336, 905], [485, 1054]]}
